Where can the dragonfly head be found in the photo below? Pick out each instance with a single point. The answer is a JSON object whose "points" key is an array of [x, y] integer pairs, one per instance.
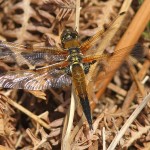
{"points": [[68, 35]]}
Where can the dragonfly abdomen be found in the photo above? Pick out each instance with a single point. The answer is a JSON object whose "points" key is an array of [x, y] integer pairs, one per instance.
{"points": [[78, 77]]}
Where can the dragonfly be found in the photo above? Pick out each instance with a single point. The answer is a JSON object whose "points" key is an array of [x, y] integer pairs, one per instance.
{"points": [[64, 65]]}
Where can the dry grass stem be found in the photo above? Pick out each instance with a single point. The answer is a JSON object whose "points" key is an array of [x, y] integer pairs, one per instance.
{"points": [[128, 122], [136, 79], [117, 89], [68, 123], [104, 138], [77, 15], [133, 89], [27, 112]]}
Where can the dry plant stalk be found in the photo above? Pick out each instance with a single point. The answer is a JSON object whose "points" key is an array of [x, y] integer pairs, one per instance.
{"points": [[128, 122], [68, 122], [133, 89], [27, 112]]}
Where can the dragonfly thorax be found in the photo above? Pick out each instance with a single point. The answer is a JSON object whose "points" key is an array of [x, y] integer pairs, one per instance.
{"points": [[75, 56]]}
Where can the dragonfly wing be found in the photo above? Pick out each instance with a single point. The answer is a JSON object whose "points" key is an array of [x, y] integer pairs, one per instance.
{"points": [[12, 52], [39, 58], [31, 80], [138, 51], [107, 62], [85, 46], [51, 76]]}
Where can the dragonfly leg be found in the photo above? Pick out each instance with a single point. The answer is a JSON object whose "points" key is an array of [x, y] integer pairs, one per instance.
{"points": [[67, 70], [86, 66]]}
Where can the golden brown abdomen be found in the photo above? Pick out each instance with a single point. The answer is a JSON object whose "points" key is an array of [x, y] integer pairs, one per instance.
{"points": [[80, 85], [79, 80]]}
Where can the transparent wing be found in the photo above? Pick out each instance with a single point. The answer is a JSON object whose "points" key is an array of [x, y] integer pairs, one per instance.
{"points": [[51, 76], [85, 46], [35, 55], [138, 51], [31, 80], [107, 62]]}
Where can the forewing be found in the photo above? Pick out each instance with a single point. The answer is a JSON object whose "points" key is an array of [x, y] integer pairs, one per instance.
{"points": [[112, 26], [35, 55], [31, 80]]}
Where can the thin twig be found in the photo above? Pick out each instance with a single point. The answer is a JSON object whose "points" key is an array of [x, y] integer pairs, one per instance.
{"points": [[27, 112], [117, 89], [128, 122], [136, 78], [133, 89], [77, 16], [104, 138], [69, 122]]}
